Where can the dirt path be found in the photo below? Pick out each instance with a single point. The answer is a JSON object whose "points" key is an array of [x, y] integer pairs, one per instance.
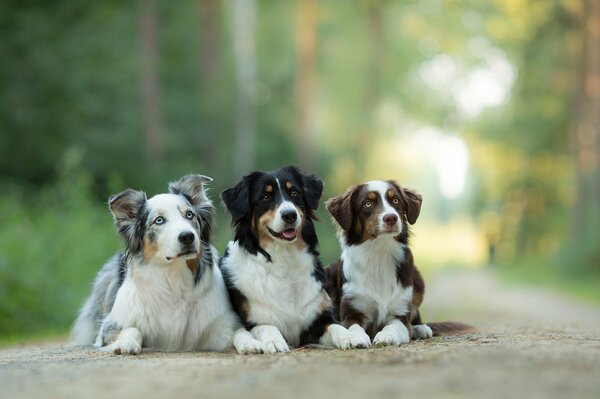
{"points": [[532, 344]]}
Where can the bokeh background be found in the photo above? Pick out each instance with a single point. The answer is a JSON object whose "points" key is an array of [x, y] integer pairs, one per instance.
{"points": [[489, 109]]}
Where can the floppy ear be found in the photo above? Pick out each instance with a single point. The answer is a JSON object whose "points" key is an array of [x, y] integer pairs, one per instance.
{"points": [[340, 208], [192, 188], [411, 202], [125, 208], [237, 198], [312, 189]]}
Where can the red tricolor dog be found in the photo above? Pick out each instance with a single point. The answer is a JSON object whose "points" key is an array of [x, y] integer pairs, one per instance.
{"points": [[375, 284]]}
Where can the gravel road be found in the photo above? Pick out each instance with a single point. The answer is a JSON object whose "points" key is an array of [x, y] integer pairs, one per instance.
{"points": [[531, 344]]}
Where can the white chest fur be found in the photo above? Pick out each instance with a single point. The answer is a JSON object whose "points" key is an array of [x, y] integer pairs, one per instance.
{"points": [[371, 282], [282, 293], [172, 312]]}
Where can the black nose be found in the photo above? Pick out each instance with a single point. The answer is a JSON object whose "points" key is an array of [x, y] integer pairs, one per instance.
{"points": [[289, 216], [186, 238], [390, 219]]}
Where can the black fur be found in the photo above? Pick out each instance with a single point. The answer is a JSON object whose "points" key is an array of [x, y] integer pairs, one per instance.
{"points": [[243, 202]]}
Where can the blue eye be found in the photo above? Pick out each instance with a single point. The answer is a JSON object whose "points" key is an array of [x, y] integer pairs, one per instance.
{"points": [[189, 215], [159, 220]]}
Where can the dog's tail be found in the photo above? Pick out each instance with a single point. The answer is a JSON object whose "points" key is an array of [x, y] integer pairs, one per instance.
{"points": [[450, 328]]}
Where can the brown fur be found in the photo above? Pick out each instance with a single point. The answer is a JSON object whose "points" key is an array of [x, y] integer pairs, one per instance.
{"points": [[359, 223]]}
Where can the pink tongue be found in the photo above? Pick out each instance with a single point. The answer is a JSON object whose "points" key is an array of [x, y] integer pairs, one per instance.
{"points": [[289, 234]]}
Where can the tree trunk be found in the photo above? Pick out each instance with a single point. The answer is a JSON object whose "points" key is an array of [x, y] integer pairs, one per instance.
{"points": [[585, 131], [244, 21], [150, 86], [305, 82], [210, 44]]}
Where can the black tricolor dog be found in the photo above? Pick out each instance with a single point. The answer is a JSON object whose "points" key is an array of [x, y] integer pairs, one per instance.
{"points": [[272, 270]]}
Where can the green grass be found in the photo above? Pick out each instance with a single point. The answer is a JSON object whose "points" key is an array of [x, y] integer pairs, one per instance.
{"points": [[582, 285]]}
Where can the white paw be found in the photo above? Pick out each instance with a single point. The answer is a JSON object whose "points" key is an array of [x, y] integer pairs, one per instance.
{"points": [[249, 347], [129, 342], [386, 338], [422, 331], [126, 347], [359, 338], [274, 345], [271, 339]]}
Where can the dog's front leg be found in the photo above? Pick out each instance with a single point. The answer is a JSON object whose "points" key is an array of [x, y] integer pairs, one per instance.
{"points": [[342, 338], [271, 339], [394, 333]]}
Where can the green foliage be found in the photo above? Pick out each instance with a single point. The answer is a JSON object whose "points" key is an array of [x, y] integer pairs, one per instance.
{"points": [[52, 242]]}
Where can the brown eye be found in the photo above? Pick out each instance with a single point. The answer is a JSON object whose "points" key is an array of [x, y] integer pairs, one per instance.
{"points": [[368, 204], [266, 197], [294, 193], [395, 200]]}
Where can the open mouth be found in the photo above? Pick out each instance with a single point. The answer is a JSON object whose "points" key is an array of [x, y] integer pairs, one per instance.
{"points": [[287, 235], [181, 254]]}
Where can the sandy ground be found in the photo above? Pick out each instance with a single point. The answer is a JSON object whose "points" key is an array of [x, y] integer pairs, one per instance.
{"points": [[531, 344]]}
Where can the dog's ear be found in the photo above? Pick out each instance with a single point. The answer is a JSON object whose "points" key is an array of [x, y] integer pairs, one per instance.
{"points": [[411, 202], [192, 188], [312, 191], [126, 207], [237, 198], [340, 208], [312, 187]]}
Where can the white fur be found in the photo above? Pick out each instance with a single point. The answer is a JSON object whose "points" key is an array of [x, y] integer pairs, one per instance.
{"points": [[128, 343], [172, 209], [422, 331], [382, 187], [245, 343], [171, 312], [160, 300], [282, 293], [370, 272], [270, 338], [354, 337], [394, 333]]}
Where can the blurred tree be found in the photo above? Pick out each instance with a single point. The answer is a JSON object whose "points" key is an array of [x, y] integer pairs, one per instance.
{"points": [[244, 20], [150, 84], [306, 33], [585, 132]]}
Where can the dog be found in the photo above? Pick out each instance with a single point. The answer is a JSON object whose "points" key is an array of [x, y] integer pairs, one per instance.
{"points": [[272, 270], [375, 286], [164, 291]]}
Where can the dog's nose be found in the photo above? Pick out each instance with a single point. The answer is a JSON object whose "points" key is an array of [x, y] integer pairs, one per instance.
{"points": [[289, 216], [186, 238], [390, 219]]}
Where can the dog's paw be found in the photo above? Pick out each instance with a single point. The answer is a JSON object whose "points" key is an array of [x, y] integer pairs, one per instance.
{"points": [[385, 338], [422, 331], [271, 339], [126, 347], [359, 338], [129, 342], [249, 347]]}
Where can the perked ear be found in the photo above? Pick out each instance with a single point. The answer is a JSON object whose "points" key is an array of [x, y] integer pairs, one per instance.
{"points": [[192, 188], [237, 198], [125, 208], [411, 202], [340, 208]]}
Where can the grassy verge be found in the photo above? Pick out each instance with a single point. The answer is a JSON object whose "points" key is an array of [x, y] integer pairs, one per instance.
{"points": [[578, 284]]}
